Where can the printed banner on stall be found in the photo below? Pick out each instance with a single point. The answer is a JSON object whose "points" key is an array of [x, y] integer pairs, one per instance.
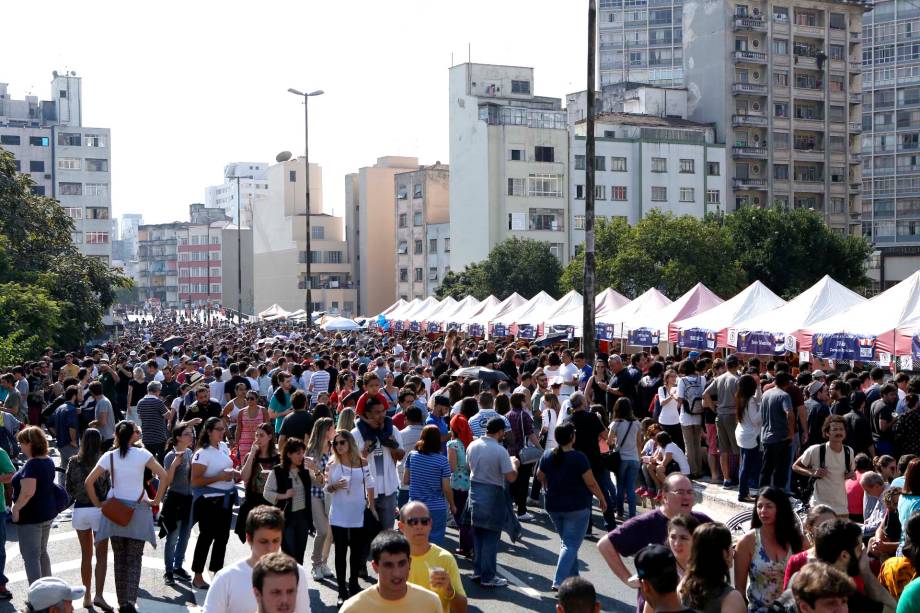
{"points": [[527, 331], [843, 346], [434, 327], [603, 332], [414, 326], [398, 326], [499, 330], [644, 337], [760, 343], [453, 326], [476, 330], [695, 338], [915, 347]]}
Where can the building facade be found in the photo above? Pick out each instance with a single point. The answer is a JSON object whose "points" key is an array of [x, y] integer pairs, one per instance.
{"points": [[66, 160], [422, 230], [370, 218], [242, 199], [782, 82], [509, 162], [640, 41], [279, 246], [891, 140]]}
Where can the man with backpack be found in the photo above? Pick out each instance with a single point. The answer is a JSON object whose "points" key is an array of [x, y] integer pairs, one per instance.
{"points": [[829, 465], [720, 395], [690, 388]]}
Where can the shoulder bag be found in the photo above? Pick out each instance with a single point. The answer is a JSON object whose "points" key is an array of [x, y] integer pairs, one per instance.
{"points": [[611, 459], [113, 509], [528, 454]]}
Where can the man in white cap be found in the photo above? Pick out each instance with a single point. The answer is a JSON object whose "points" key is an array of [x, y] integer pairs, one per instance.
{"points": [[52, 595]]}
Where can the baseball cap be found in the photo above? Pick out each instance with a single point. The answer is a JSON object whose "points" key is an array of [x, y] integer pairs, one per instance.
{"points": [[654, 561], [814, 387], [133, 354], [818, 374], [693, 355], [46, 592]]}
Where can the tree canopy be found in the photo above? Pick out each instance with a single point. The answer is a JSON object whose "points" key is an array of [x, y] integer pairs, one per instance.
{"points": [[50, 294], [516, 265]]}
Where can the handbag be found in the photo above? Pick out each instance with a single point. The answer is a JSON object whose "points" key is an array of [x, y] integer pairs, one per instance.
{"points": [[528, 454], [115, 510], [611, 459], [372, 524]]}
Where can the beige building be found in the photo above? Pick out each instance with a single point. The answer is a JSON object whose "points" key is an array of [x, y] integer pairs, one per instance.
{"points": [[279, 245], [422, 216], [370, 215]]}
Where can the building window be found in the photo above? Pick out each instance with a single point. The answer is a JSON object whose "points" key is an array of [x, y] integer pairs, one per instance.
{"points": [[579, 162], [9, 139], [516, 221], [446, 245], [403, 220], [402, 192], [546, 219], [712, 196], [579, 222], [686, 194], [520, 87], [402, 248], [417, 190], [659, 194], [659, 164], [618, 192], [418, 274], [94, 140], [95, 165], [579, 192], [70, 139], [69, 164], [39, 141], [544, 186], [618, 164], [17, 166], [837, 205], [781, 78], [97, 238], [38, 190], [96, 189], [317, 232], [36, 166], [333, 257], [73, 212], [76, 238], [600, 192], [600, 162], [838, 21], [557, 250], [781, 172], [517, 155], [780, 46], [433, 273], [403, 275], [419, 247], [781, 13], [712, 169], [781, 109], [97, 212], [837, 52], [687, 167], [780, 140], [544, 154], [515, 187], [432, 245], [417, 218], [292, 176]]}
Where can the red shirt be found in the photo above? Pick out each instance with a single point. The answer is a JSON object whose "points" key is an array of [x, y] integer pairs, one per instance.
{"points": [[854, 495], [359, 408]]}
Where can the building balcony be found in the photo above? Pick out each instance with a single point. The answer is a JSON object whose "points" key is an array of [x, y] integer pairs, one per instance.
{"points": [[856, 157], [855, 188], [856, 98], [854, 37], [854, 126], [809, 93], [749, 152], [758, 121], [809, 123], [810, 31], [746, 183], [755, 24], [750, 57], [808, 185], [753, 89], [816, 155], [805, 62]]}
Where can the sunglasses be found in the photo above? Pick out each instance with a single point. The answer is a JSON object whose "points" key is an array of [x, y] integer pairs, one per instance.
{"points": [[339, 443], [415, 521]]}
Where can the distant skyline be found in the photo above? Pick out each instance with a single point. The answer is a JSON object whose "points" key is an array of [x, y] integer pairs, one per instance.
{"points": [[188, 87]]}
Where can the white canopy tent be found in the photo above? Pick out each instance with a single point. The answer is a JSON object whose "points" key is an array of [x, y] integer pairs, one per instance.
{"points": [[532, 312], [710, 328], [397, 313], [698, 299], [446, 315], [486, 315], [567, 311], [396, 305], [649, 301], [274, 312], [340, 324], [427, 305], [609, 300], [447, 305]]}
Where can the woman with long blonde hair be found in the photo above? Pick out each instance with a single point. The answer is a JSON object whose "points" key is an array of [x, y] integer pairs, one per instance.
{"points": [[319, 454]]}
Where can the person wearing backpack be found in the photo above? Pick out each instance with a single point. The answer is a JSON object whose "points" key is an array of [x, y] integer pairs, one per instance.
{"points": [[690, 388], [829, 465]]}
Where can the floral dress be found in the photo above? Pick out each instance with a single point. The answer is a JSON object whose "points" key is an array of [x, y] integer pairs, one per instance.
{"points": [[765, 578], [460, 478]]}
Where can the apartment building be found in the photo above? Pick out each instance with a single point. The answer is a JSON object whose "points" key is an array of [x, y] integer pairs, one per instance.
{"points": [[422, 230], [640, 41], [782, 82], [649, 156], [508, 158], [280, 245], [370, 218], [67, 160], [243, 197], [891, 140]]}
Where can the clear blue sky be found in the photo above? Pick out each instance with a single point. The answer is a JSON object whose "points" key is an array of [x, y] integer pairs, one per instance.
{"points": [[188, 86]]}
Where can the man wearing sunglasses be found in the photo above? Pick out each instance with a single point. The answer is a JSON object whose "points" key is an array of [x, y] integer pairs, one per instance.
{"points": [[433, 567]]}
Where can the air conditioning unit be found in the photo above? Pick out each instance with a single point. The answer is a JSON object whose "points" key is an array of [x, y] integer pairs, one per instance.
{"points": [[47, 175]]}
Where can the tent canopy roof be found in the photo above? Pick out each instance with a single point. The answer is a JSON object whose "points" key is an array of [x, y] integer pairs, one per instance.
{"points": [[756, 298], [650, 300], [696, 300], [531, 312]]}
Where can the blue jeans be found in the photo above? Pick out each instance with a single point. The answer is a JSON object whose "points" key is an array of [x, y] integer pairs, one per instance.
{"points": [[626, 485], [176, 542], [609, 490], [571, 526], [750, 470], [438, 526], [485, 557]]}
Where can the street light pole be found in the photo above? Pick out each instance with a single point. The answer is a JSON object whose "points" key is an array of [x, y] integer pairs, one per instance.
{"points": [[308, 282], [587, 329]]}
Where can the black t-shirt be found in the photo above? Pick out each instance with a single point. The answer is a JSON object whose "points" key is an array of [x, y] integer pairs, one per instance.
{"points": [[232, 382], [209, 409], [625, 381], [297, 424], [817, 413], [399, 380], [509, 369], [880, 410], [859, 434], [170, 391], [486, 359], [138, 390], [588, 428]]}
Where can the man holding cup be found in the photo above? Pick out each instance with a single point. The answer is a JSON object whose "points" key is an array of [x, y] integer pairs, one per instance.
{"points": [[433, 567]]}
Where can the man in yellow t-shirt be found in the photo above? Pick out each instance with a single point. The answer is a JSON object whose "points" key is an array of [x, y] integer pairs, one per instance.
{"points": [[391, 561], [433, 567]]}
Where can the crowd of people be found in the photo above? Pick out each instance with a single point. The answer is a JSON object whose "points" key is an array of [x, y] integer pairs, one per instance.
{"points": [[368, 443]]}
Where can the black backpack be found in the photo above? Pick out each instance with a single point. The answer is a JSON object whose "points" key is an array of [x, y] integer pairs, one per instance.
{"points": [[808, 489]]}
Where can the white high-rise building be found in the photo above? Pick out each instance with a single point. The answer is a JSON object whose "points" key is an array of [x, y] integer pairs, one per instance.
{"points": [[252, 190], [508, 162], [67, 161]]}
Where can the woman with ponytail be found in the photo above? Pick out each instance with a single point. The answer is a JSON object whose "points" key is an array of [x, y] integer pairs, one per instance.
{"points": [[569, 483]]}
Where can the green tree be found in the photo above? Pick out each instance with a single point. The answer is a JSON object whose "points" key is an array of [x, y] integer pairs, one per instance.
{"points": [[468, 282], [30, 321]]}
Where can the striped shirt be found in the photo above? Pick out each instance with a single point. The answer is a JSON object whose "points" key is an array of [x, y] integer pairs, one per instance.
{"points": [[426, 470], [320, 383], [150, 410], [479, 420]]}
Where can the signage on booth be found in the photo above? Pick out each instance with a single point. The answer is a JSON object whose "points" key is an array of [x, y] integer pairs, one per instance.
{"points": [[843, 346], [696, 338]]}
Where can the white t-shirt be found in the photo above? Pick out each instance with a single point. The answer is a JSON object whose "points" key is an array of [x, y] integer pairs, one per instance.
{"points": [[215, 460], [217, 390], [347, 509], [231, 591], [568, 372], [678, 456], [686, 419], [550, 419], [670, 415], [129, 471]]}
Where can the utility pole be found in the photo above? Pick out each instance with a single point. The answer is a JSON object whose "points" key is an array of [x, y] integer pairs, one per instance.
{"points": [[587, 338]]}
